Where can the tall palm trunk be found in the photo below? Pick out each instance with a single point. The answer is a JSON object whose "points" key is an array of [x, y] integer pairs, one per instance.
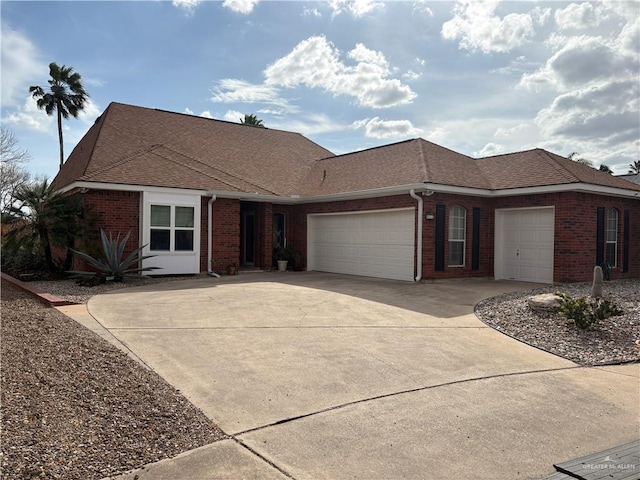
{"points": [[58, 109]]}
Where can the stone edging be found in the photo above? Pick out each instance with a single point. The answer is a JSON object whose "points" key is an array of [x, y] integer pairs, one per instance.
{"points": [[44, 297]]}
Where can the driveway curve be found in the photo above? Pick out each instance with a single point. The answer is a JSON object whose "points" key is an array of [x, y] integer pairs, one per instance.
{"points": [[329, 376]]}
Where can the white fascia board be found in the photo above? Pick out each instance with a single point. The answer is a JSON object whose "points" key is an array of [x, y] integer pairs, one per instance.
{"points": [[571, 187], [362, 194], [376, 192], [181, 191]]}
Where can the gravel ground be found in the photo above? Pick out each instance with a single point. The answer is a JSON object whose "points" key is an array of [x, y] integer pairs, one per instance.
{"points": [[75, 407], [615, 340], [70, 291]]}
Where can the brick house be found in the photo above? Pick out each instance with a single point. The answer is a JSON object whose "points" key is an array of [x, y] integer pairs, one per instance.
{"points": [[199, 192]]}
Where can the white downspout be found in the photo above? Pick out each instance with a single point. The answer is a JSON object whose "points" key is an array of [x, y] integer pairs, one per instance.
{"points": [[412, 192], [210, 236]]}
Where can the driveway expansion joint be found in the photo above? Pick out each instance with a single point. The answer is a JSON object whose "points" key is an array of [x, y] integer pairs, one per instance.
{"points": [[261, 457], [403, 392]]}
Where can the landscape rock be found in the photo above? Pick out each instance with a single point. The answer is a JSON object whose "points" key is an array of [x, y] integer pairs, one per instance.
{"points": [[544, 303]]}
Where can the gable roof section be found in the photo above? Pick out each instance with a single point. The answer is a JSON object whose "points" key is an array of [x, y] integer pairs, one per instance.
{"points": [[537, 168], [405, 163], [141, 146]]}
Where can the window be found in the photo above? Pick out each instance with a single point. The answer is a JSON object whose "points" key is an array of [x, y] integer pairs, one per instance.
{"points": [[457, 235], [611, 236], [278, 231], [172, 228]]}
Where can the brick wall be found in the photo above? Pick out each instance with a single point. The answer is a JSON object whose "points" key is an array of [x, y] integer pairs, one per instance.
{"points": [[113, 211], [226, 233], [575, 228], [575, 231]]}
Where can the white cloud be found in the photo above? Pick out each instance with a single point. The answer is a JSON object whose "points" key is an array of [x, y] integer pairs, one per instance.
{"points": [[477, 27], [316, 63], [187, 5], [579, 16], [378, 128], [233, 116], [411, 75], [238, 91], [596, 108], [21, 66], [204, 113], [311, 12], [490, 149], [240, 6], [310, 124], [358, 8], [421, 6], [30, 117]]}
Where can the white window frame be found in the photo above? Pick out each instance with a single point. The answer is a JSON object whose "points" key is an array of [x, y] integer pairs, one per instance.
{"points": [[172, 228], [611, 236], [454, 233]]}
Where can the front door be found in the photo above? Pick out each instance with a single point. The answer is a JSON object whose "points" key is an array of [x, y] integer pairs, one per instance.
{"points": [[248, 238]]}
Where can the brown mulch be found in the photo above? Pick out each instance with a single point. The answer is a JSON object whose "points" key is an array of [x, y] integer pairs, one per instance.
{"points": [[76, 407]]}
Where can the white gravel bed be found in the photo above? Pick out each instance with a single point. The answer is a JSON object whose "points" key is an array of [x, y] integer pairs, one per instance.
{"points": [[614, 340]]}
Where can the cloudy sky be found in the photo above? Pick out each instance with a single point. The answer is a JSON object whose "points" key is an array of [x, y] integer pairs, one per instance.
{"points": [[481, 78]]}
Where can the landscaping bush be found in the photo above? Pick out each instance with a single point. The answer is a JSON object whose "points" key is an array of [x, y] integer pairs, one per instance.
{"points": [[584, 313]]}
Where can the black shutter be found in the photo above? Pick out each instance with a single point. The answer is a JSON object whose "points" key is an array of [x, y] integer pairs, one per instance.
{"points": [[625, 246], [475, 240], [600, 236], [440, 223]]}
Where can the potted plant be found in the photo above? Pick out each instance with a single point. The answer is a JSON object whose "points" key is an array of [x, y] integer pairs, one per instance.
{"points": [[282, 258]]}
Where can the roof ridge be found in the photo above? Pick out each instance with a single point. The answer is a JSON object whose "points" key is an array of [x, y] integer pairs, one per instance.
{"points": [[425, 165], [365, 150], [122, 161], [555, 164], [213, 168]]}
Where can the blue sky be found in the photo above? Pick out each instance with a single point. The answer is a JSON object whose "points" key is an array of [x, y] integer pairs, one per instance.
{"points": [[481, 77]]}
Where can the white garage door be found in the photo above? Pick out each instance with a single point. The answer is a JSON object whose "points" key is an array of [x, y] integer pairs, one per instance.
{"points": [[524, 245], [372, 244]]}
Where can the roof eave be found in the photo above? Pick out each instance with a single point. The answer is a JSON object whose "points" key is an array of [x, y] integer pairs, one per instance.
{"points": [[363, 194]]}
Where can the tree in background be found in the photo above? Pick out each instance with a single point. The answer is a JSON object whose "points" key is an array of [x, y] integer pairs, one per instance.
{"points": [[43, 219], [251, 119], [634, 167], [65, 95], [582, 161], [12, 171], [606, 169]]}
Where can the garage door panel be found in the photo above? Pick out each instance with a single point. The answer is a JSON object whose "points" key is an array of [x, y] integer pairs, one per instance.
{"points": [[376, 244], [526, 247]]}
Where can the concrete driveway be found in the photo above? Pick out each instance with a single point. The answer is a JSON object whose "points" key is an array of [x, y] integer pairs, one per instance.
{"points": [[327, 376]]}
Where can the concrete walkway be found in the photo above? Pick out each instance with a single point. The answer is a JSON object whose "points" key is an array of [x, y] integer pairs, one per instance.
{"points": [[326, 376]]}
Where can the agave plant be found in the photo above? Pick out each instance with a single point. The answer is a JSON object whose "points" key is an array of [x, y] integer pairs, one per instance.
{"points": [[112, 264]]}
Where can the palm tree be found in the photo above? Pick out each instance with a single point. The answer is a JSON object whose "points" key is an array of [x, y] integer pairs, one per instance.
{"points": [[65, 95], [582, 161], [634, 167], [251, 119], [43, 219], [606, 169]]}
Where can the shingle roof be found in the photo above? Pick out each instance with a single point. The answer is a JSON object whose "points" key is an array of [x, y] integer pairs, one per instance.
{"points": [[631, 177], [405, 163], [142, 146], [535, 168]]}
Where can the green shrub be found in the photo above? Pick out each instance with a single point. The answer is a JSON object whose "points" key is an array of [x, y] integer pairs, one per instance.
{"points": [[584, 313], [112, 264]]}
